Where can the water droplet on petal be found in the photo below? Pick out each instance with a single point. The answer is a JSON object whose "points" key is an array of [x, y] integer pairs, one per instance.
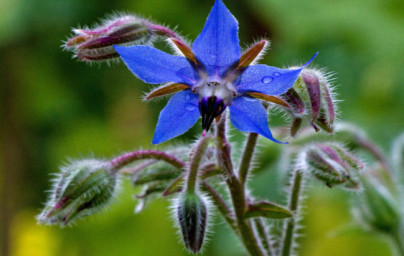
{"points": [[276, 74], [190, 107], [267, 79], [249, 98]]}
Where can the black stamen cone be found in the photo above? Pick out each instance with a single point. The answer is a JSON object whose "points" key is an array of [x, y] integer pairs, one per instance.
{"points": [[210, 107]]}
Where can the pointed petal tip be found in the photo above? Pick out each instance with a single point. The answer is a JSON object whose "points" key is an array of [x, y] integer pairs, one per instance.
{"points": [[312, 58], [275, 140]]}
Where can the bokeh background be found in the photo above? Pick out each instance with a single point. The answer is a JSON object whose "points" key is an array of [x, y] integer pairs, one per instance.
{"points": [[54, 108]]}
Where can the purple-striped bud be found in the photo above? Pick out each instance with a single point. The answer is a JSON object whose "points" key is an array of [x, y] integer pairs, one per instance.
{"points": [[331, 164], [192, 215], [311, 99], [81, 189]]}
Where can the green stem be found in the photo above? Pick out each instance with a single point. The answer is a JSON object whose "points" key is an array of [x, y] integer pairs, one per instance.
{"points": [[237, 194], [293, 207], [264, 236], [398, 241], [247, 157], [195, 159], [129, 158], [221, 205]]}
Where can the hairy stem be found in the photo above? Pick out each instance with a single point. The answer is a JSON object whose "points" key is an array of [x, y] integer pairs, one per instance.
{"points": [[264, 236], [375, 151], [294, 197], [236, 191], [247, 157], [129, 158], [195, 160], [221, 205]]}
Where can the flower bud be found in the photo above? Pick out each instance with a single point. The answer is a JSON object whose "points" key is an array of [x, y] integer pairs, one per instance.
{"points": [[192, 214], [97, 43], [332, 164], [376, 207], [311, 97], [82, 188]]}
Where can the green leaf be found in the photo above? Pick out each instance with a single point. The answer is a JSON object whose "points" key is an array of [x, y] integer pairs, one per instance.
{"points": [[267, 210]]}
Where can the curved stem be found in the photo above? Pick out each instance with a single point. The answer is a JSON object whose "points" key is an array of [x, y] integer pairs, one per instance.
{"points": [[289, 230], [237, 194], [247, 157], [221, 205], [129, 158], [195, 159]]}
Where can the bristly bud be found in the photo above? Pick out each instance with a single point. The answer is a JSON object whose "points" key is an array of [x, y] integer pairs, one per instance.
{"points": [[97, 44], [311, 98], [376, 207], [81, 189], [332, 164], [192, 215]]}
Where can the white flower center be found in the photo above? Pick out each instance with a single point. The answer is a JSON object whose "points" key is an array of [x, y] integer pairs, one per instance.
{"points": [[215, 86]]}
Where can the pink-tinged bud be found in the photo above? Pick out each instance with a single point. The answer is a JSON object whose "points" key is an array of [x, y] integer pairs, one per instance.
{"points": [[97, 44], [295, 101], [192, 215], [331, 164], [311, 99], [312, 84], [82, 188], [297, 122]]}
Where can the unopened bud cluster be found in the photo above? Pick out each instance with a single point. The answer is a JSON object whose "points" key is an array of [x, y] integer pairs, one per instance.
{"points": [[331, 164], [311, 98], [82, 188], [97, 44]]}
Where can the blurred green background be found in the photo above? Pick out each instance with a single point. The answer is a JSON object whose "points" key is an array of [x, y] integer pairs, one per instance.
{"points": [[54, 108]]}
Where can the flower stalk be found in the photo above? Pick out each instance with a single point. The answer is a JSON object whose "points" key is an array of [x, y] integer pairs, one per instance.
{"points": [[247, 157], [290, 225], [128, 158]]}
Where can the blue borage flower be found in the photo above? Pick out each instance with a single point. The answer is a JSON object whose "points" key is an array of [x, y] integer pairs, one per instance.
{"points": [[212, 76]]}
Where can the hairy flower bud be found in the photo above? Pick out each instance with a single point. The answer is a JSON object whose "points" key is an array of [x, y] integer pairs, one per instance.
{"points": [[376, 207], [332, 164], [192, 215], [97, 44], [82, 188], [311, 98]]}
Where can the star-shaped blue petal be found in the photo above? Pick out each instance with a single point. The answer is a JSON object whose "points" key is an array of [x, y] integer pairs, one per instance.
{"points": [[217, 46], [216, 50]]}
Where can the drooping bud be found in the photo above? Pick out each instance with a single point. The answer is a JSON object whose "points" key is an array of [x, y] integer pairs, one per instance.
{"points": [[311, 98], [192, 215], [376, 207], [81, 189], [332, 164], [97, 44]]}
